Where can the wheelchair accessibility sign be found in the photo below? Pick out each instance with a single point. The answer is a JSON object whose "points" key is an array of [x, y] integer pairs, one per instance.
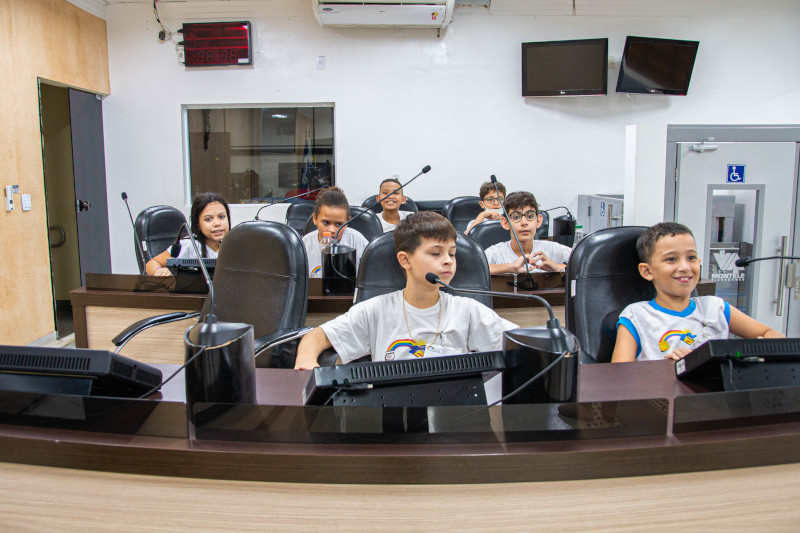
{"points": [[735, 174]]}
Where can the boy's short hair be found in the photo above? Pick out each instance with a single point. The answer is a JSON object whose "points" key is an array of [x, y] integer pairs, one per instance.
{"points": [[393, 180], [646, 243], [488, 187], [520, 199], [331, 197], [411, 230]]}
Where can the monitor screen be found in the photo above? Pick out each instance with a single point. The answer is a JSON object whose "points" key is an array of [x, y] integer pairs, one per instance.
{"points": [[656, 66], [565, 68]]}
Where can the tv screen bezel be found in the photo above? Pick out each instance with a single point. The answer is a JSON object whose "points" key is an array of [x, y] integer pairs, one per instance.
{"points": [[566, 92], [656, 90]]}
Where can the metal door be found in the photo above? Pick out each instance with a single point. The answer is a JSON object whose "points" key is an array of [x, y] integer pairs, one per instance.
{"points": [[89, 169], [761, 178]]}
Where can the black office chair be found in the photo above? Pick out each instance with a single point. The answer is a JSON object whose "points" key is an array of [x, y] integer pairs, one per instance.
{"points": [[297, 214], [544, 229], [461, 211], [261, 278], [380, 273], [602, 279], [489, 233], [367, 224], [157, 228], [410, 205]]}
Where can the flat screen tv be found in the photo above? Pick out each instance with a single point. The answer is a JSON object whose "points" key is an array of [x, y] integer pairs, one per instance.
{"points": [[565, 68], [656, 66]]}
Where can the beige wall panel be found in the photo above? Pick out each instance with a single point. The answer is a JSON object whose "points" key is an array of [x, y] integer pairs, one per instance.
{"points": [[57, 41]]}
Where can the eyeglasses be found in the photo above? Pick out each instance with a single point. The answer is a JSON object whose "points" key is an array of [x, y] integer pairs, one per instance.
{"points": [[491, 200], [516, 216]]}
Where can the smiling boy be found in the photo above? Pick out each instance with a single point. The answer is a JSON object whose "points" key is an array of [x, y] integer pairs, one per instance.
{"points": [[391, 214], [543, 256], [418, 321], [674, 323]]}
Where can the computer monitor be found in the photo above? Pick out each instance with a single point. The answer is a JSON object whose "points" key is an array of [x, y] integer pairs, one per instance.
{"points": [[656, 66], [565, 68]]}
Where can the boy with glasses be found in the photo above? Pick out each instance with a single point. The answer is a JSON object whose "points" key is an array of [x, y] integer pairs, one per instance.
{"points": [[543, 256], [490, 202]]}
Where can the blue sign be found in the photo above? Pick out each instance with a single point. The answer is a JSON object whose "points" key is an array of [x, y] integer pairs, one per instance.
{"points": [[735, 174]]}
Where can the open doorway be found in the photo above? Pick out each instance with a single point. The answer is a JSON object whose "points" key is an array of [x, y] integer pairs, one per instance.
{"points": [[75, 193]]}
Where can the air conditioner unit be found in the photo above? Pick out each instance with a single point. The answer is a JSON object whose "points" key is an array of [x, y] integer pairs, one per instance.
{"points": [[408, 13]]}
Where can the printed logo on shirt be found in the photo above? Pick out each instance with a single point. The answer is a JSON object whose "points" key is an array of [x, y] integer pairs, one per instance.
{"points": [[415, 347], [685, 336], [316, 270]]}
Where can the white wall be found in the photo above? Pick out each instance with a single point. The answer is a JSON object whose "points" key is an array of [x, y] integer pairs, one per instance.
{"points": [[405, 98]]}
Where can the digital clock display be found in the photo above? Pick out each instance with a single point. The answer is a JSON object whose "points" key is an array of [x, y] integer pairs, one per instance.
{"points": [[211, 44]]}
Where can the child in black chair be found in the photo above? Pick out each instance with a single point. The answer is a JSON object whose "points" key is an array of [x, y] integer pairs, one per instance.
{"points": [[674, 323], [391, 214], [331, 211], [419, 321], [491, 203]]}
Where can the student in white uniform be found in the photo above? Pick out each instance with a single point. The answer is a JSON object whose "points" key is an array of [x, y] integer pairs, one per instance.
{"points": [[674, 323], [210, 222], [418, 321], [331, 211], [391, 214], [490, 202], [542, 256]]}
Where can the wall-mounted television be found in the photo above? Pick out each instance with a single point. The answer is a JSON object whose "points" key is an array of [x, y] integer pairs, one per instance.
{"points": [[565, 68], [656, 66]]}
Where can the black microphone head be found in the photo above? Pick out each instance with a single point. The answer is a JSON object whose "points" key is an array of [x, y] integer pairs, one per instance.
{"points": [[432, 278], [426, 169], [743, 261], [124, 195], [493, 178]]}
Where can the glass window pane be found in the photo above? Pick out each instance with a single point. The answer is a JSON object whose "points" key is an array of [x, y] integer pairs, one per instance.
{"points": [[252, 155]]}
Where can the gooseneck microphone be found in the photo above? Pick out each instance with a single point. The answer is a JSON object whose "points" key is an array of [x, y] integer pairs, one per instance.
{"points": [[211, 318], [560, 339], [744, 261], [529, 284], [289, 198], [136, 240], [424, 170]]}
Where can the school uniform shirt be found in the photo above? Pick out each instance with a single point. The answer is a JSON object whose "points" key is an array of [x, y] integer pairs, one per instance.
{"points": [[187, 250], [387, 226], [349, 237], [378, 328], [659, 331], [502, 253]]}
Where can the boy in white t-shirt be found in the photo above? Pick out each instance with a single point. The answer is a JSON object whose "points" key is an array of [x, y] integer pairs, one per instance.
{"points": [[331, 211], [674, 323], [419, 321], [391, 214], [542, 256], [491, 203]]}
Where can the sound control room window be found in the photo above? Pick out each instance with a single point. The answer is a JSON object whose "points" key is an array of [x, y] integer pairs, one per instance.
{"points": [[255, 155]]}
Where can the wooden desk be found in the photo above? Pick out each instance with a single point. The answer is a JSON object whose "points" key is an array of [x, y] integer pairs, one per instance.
{"points": [[722, 477]]}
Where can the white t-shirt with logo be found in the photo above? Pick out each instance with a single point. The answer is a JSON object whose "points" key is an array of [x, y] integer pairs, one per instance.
{"points": [[502, 253], [659, 331], [349, 237], [187, 250], [378, 328]]}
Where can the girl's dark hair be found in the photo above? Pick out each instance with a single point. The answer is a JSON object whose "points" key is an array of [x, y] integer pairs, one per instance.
{"points": [[331, 197], [200, 202]]}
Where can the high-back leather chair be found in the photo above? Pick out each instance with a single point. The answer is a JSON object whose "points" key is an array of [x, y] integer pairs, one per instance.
{"points": [[380, 273], [544, 229], [157, 228], [297, 214], [367, 224], [602, 279], [489, 232], [410, 205], [461, 211], [261, 278]]}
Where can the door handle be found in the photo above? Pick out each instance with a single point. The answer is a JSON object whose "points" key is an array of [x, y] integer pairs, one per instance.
{"points": [[83, 205], [781, 273], [63, 236]]}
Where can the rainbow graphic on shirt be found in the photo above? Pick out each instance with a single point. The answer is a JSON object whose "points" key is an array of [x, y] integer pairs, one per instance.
{"points": [[415, 347], [316, 270], [685, 335]]}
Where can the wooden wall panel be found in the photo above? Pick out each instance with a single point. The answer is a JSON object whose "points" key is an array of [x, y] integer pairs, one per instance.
{"points": [[56, 41]]}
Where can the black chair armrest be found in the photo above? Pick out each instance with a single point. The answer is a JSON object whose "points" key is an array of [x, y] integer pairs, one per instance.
{"points": [[149, 322], [328, 357], [276, 338]]}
